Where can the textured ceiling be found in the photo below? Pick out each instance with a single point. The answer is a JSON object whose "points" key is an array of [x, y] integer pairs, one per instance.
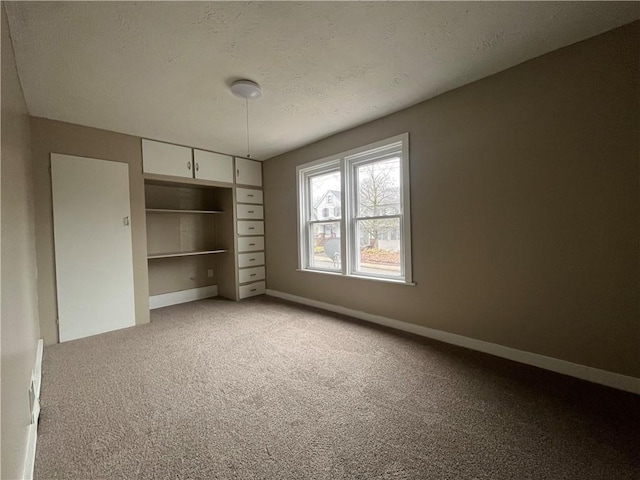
{"points": [[161, 69]]}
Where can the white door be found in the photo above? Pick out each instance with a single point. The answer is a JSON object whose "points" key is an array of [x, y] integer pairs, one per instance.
{"points": [[213, 166], [248, 172], [92, 233]]}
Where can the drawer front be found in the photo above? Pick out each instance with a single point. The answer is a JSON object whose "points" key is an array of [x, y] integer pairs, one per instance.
{"points": [[250, 211], [250, 244], [246, 227], [248, 195], [251, 274], [252, 289], [250, 259]]}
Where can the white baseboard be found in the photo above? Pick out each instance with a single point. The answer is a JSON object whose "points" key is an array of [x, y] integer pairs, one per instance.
{"points": [[595, 375], [183, 296], [38, 367], [30, 457], [32, 438]]}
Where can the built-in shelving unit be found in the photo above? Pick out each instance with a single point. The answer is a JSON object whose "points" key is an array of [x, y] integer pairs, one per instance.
{"points": [[177, 210], [185, 254], [190, 241], [205, 224]]}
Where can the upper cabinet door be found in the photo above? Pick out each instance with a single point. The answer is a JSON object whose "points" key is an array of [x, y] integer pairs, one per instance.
{"points": [[248, 172], [213, 166], [166, 159]]}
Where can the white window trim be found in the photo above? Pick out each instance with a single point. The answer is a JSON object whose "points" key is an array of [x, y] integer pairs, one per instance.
{"points": [[304, 208], [348, 231]]}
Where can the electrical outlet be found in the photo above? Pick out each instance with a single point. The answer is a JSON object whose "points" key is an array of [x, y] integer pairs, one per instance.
{"points": [[210, 273]]}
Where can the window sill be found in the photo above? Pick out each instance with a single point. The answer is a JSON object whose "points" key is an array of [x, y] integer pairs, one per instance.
{"points": [[358, 277]]}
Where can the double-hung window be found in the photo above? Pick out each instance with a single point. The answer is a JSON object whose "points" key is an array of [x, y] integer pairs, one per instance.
{"points": [[353, 212]]}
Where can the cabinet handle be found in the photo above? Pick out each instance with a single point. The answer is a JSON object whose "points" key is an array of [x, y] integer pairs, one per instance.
{"points": [[197, 166], [188, 165], [252, 275], [250, 195], [249, 211], [252, 228], [237, 172], [252, 244], [252, 259], [253, 290]]}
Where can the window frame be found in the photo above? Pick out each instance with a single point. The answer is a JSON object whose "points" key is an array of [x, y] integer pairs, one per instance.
{"points": [[346, 163], [355, 217], [305, 201]]}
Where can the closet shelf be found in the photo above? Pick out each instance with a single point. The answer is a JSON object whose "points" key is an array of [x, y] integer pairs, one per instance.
{"points": [[184, 254], [170, 210]]}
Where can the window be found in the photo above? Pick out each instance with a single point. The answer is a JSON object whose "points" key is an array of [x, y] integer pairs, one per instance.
{"points": [[369, 233]]}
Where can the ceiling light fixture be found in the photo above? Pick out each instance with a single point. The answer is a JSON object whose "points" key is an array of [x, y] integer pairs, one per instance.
{"points": [[249, 91]]}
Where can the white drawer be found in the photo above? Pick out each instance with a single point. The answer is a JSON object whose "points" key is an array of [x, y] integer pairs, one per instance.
{"points": [[251, 228], [250, 244], [250, 259], [250, 211], [251, 274], [248, 195], [252, 289]]}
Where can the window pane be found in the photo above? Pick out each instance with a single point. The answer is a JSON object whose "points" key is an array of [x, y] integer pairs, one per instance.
{"points": [[325, 245], [378, 188], [324, 190], [379, 244]]}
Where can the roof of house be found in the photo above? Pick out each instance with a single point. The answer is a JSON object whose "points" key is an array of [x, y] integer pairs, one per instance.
{"points": [[335, 193]]}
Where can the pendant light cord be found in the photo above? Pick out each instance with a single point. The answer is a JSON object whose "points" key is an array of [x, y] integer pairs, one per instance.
{"points": [[246, 89], [246, 102]]}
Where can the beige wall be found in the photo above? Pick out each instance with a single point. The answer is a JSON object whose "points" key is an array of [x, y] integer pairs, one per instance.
{"points": [[19, 312], [524, 198], [60, 137]]}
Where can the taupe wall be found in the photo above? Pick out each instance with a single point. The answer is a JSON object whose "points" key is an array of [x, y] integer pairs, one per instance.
{"points": [[524, 198], [19, 312], [60, 137]]}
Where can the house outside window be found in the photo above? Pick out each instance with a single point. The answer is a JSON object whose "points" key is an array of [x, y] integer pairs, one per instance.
{"points": [[369, 190]]}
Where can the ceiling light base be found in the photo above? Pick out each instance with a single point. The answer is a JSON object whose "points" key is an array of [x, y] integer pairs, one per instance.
{"points": [[246, 89]]}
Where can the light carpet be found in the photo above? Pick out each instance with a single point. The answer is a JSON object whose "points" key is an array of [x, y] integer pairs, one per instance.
{"points": [[265, 389]]}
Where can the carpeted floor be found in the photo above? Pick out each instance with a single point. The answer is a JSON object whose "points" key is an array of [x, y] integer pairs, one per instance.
{"points": [[265, 389]]}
